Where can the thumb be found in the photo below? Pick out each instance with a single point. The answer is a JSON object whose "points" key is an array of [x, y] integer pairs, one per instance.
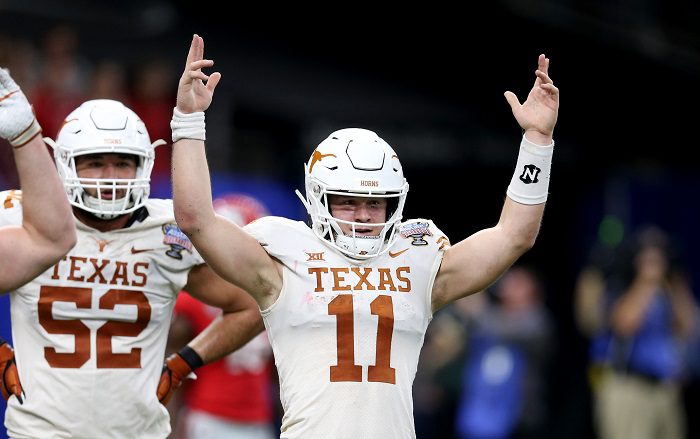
{"points": [[164, 384], [214, 79], [512, 100]]}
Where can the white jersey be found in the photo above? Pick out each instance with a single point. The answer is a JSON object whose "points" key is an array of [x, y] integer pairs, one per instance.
{"points": [[347, 334], [89, 333]]}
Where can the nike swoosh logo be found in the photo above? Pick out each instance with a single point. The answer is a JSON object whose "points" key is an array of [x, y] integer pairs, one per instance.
{"points": [[140, 250], [393, 255]]}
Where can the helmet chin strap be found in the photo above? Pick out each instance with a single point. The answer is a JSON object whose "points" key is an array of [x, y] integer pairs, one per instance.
{"points": [[360, 245], [101, 208]]}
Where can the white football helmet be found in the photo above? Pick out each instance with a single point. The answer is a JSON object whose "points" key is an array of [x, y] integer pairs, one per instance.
{"points": [[104, 126], [354, 162]]}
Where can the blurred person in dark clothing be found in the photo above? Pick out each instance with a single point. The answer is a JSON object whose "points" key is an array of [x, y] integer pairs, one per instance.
{"points": [[639, 317], [509, 348]]}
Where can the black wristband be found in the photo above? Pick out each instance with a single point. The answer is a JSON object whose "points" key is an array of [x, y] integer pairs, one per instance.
{"points": [[2, 341], [191, 357]]}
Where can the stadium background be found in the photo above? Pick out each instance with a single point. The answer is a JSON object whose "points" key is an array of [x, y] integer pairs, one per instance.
{"points": [[431, 83]]}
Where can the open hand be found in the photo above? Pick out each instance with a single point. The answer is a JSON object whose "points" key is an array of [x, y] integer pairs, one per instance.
{"points": [[196, 89], [538, 114]]}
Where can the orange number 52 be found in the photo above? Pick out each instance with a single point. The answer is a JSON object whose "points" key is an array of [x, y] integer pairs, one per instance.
{"points": [[82, 298], [346, 370]]}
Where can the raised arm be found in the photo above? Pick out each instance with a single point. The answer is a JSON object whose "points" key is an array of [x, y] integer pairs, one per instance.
{"points": [[231, 252], [474, 263], [47, 232]]}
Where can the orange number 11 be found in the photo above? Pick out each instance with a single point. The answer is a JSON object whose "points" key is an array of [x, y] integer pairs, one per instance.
{"points": [[346, 370]]}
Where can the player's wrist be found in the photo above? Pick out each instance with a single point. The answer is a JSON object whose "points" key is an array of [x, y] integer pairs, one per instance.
{"points": [[537, 137], [191, 357], [530, 182], [23, 138], [188, 125]]}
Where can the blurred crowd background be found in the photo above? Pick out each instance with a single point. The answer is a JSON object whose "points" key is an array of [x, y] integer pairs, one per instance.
{"points": [[541, 352]]}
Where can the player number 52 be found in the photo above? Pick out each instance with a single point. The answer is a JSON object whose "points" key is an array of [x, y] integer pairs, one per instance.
{"points": [[82, 297]]}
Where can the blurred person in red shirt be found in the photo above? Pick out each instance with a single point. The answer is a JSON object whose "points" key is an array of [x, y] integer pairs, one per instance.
{"points": [[108, 81], [152, 100], [232, 397], [64, 75]]}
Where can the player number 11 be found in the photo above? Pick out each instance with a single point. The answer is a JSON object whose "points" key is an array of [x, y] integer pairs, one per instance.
{"points": [[346, 369]]}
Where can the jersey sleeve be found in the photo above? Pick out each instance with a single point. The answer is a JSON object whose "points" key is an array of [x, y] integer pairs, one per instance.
{"points": [[161, 212], [280, 237], [10, 208]]}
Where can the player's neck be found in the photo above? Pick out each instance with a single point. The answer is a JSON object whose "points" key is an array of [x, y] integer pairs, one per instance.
{"points": [[91, 220]]}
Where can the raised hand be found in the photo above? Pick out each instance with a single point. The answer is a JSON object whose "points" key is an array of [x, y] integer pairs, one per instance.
{"points": [[196, 89], [17, 121], [538, 114]]}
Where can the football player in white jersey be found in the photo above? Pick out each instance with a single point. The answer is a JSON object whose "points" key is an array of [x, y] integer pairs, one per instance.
{"points": [[346, 302], [90, 332]]}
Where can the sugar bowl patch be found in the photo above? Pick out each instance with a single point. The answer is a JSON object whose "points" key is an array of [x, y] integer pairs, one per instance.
{"points": [[416, 231], [177, 240]]}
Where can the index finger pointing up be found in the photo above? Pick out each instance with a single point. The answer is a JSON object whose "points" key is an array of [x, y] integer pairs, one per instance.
{"points": [[195, 52], [543, 63]]}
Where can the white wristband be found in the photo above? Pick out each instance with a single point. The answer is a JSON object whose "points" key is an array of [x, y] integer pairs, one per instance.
{"points": [[188, 126], [25, 136], [530, 181]]}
